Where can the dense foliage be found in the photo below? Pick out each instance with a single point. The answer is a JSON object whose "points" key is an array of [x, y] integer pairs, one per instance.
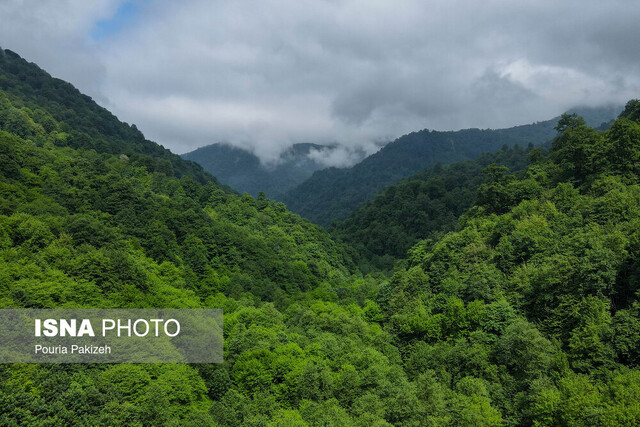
{"points": [[331, 194], [526, 314], [533, 304], [422, 206]]}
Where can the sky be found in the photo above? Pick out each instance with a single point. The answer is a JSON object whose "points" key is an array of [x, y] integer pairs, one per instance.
{"points": [[265, 74]]}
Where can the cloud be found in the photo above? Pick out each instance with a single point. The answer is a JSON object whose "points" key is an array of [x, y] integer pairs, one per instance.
{"points": [[265, 74], [53, 33], [341, 156]]}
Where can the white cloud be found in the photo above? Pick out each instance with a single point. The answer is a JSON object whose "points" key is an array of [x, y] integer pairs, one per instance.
{"points": [[265, 74], [55, 35]]}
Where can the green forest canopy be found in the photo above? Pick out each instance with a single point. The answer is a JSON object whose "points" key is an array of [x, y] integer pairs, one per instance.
{"points": [[526, 314], [419, 207]]}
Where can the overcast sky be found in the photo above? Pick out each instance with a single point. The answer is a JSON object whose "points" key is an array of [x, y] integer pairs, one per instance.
{"points": [[264, 74]]}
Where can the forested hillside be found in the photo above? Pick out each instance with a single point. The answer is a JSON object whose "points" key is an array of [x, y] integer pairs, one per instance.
{"points": [[331, 194], [527, 313], [82, 122], [81, 227], [422, 206], [243, 171], [533, 305]]}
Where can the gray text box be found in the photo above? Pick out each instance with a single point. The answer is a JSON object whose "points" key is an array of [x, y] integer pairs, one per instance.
{"points": [[110, 336]]}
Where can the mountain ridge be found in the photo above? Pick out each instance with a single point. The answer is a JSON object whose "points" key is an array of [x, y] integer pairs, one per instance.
{"points": [[330, 194], [83, 123]]}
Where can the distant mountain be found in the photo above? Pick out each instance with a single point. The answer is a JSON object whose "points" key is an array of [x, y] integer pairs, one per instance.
{"points": [[331, 194], [243, 171]]}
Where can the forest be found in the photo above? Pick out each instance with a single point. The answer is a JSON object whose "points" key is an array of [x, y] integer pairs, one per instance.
{"points": [[510, 298], [418, 207]]}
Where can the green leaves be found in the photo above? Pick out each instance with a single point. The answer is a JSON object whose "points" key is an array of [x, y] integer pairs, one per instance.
{"points": [[525, 312]]}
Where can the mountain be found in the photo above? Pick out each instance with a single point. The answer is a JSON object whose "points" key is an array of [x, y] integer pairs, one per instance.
{"points": [[331, 194], [422, 206], [108, 186], [533, 303], [79, 121], [527, 312], [94, 217], [244, 172]]}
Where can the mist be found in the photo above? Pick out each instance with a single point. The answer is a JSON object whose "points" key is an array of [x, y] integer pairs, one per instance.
{"points": [[265, 75]]}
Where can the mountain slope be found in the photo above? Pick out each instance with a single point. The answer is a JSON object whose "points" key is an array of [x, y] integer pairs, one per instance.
{"points": [[534, 301], [527, 314], [244, 172], [330, 194], [79, 121], [419, 207], [105, 200], [82, 228]]}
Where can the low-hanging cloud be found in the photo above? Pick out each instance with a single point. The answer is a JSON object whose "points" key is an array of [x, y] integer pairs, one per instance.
{"points": [[268, 74]]}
